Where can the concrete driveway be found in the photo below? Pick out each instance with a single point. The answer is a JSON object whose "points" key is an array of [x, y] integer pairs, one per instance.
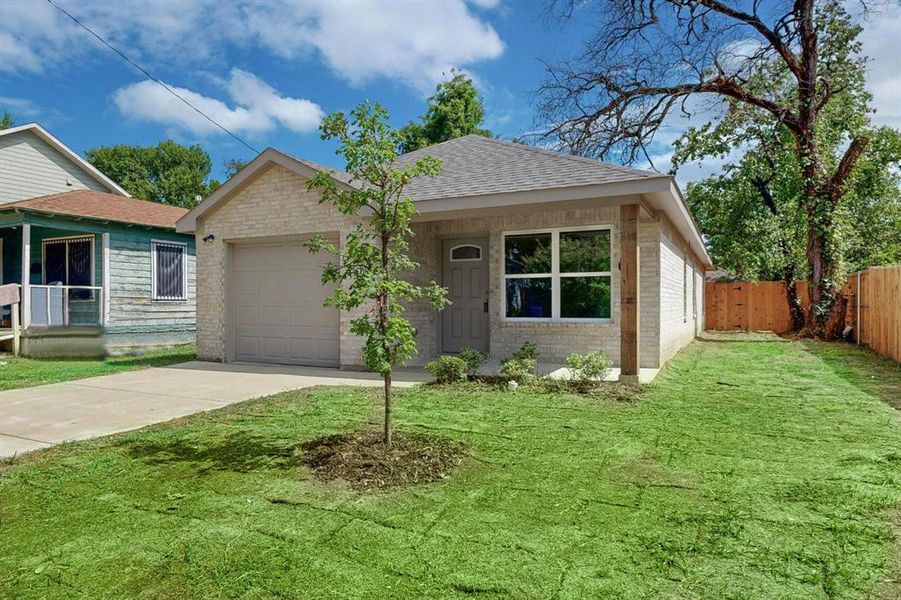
{"points": [[38, 417]]}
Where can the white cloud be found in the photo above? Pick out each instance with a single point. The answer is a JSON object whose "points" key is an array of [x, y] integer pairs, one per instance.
{"points": [[880, 37], [697, 170], [486, 4], [413, 42], [20, 106], [257, 107]]}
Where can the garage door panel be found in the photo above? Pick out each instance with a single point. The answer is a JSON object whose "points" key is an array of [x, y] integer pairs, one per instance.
{"points": [[327, 349], [303, 349], [274, 316], [247, 316], [273, 348], [278, 310], [248, 346]]}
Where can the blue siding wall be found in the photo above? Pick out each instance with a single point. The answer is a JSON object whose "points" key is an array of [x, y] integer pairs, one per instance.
{"points": [[133, 314], [135, 320]]}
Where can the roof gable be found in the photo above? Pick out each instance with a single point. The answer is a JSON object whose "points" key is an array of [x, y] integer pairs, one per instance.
{"points": [[264, 159], [67, 153]]}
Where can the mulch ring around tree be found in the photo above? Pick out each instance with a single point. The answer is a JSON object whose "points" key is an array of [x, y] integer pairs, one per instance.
{"points": [[364, 462]]}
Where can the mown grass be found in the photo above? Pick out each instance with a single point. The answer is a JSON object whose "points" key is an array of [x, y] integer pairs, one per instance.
{"points": [[749, 470], [19, 372]]}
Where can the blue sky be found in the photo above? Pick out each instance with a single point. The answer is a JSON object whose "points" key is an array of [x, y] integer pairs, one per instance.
{"points": [[269, 71]]}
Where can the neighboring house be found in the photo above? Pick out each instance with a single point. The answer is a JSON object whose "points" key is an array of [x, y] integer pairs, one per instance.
{"points": [[567, 252], [101, 271]]}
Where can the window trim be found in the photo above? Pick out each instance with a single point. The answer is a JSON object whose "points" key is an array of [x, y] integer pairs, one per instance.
{"points": [[66, 239], [450, 253], [555, 275], [154, 292]]}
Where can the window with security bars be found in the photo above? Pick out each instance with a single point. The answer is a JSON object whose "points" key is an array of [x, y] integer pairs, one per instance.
{"points": [[169, 277]]}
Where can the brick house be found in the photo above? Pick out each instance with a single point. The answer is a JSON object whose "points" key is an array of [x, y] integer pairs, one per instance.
{"points": [[565, 251]]}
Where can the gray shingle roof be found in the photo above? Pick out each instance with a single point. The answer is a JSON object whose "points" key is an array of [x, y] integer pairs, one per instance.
{"points": [[337, 174], [473, 165]]}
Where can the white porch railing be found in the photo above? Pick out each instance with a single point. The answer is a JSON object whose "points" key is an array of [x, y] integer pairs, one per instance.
{"points": [[64, 306]]}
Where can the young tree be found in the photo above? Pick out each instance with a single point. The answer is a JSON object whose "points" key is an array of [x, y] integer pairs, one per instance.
{"points": [[652, 58], [168, 173], [454, 110], [6, 120], [372, 261]]}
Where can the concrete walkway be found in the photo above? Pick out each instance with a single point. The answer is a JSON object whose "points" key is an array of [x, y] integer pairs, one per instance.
{"points": [[38, 417]]}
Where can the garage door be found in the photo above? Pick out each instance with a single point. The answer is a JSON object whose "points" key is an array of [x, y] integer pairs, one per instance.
{"points": [[277, 311]]}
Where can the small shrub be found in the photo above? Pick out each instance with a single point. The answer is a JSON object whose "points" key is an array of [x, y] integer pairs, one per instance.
{"points": [[473, 359], [447, 369], [528, 352], [588, 369], [520, 370]]}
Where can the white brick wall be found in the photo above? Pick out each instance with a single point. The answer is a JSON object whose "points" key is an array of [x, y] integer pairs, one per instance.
{"points": [[649, 297], [679, 322]]}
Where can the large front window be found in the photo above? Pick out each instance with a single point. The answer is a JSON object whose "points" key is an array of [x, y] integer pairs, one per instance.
{"points": [[557, 274]]}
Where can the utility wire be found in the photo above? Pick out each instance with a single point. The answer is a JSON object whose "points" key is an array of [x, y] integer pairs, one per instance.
{"points": [[149, 76]]}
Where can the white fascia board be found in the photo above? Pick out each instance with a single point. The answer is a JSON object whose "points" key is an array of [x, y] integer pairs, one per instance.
{"points": [[541, 196], [672, 203]]}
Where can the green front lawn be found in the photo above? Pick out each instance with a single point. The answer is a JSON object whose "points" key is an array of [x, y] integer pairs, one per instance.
{"points": [[749, 470], [18, 372]]}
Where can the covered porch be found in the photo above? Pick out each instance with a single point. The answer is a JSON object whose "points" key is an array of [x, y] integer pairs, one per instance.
{"points": [[62, 269]]}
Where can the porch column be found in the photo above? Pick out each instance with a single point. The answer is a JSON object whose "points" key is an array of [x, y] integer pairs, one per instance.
{"points": [[26, 275], [104, 315], [629, 293]]}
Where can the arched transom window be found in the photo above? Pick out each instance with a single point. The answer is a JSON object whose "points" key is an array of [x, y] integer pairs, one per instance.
{"points": [[465, 252]]}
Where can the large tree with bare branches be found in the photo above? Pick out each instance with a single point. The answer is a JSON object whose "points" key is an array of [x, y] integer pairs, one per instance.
{"points": [[777, 62]]}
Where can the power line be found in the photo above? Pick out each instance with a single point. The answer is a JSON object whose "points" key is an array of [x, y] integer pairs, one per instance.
{"points": [[151, 77]]}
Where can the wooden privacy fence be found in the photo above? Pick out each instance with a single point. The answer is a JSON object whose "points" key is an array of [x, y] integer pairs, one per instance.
{"points": [[761, 306]]}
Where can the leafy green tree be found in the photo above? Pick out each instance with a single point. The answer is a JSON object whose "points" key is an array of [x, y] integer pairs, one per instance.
{"points": [[372, 261], [168, 173], [454, 110], [781, 61], [753, 213], [6, 120]]}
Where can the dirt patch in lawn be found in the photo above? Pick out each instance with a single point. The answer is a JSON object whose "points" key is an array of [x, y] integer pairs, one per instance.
{"points": [[361, 459]]}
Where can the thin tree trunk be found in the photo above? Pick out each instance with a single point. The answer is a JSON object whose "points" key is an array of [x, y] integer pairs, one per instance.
{"points": [[387, 436], [383, 325]]}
